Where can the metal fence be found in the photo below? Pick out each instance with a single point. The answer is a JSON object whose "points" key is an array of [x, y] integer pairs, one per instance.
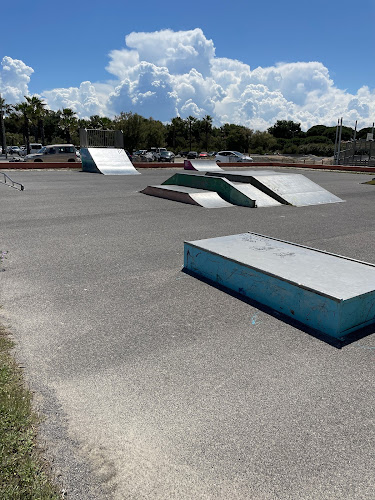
{"points": [[357, 153], [93, 138]]}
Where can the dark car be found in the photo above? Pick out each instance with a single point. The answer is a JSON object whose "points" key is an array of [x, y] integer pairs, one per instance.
{"points": [[192, 155], [167, 156], [183, 153]]}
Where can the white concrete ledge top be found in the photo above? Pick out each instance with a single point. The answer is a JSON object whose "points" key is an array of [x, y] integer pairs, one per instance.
{"points": [[335, 276]]}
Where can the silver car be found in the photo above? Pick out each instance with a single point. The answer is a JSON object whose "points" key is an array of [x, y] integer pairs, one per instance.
{"points": [[232, 157], [15, 150], [55, 153]]}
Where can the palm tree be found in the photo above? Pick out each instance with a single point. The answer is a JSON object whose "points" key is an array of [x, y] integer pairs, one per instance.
{"points": [[100, 122], [207, 124], [38, 114], [25, 110], [190, 120], [68, 121], [4, 109]]}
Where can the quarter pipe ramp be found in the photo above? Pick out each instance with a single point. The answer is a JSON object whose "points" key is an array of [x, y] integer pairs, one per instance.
{"points": [[107, 161]]}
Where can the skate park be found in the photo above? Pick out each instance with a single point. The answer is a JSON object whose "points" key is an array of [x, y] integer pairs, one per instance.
{"points": [[158, 384]]}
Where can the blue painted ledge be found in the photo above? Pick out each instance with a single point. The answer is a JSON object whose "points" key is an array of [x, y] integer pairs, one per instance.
{"points": [[327, 292]]}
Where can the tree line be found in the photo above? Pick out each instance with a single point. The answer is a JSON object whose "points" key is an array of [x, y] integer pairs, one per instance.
{"points": [[30, 121]]}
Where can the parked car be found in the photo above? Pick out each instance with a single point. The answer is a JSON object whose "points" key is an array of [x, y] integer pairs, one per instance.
{"points": [[35, 147], [212, 153], [192, 155], [15, 150], [54, 153], [166, 156], [142, 155], [232, 157], [183, 153], [156, 152], [203, 155]]}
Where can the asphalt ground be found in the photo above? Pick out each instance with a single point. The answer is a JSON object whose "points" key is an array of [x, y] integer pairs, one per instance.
{"points": [[156, 385]]}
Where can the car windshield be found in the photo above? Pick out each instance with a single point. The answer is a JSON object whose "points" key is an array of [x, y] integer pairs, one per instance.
{"points": [[42, 150], [237, 153]]}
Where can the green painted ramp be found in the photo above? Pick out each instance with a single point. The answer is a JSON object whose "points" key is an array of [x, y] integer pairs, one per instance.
{"points": [[240, 194]]}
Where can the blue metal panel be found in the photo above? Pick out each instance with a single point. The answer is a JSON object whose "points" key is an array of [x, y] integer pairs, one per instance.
{"points": [[88, 164], [292, 279]]}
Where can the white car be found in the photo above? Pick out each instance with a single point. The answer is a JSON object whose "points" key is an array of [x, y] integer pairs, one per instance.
{"points": [[15, 150], [232, 157]]}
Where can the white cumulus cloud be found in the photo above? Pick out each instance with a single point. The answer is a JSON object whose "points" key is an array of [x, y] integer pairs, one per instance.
{"points": [[84, 100], [14, 79], [168, 73]]}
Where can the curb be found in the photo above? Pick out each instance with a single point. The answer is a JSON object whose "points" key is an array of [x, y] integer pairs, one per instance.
{"points": [[73, 165]]}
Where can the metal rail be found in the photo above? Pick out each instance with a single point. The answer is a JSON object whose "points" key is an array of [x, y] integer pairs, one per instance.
{"points": [[10, 183]]}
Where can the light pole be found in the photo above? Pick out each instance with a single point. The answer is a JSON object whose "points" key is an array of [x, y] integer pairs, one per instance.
{"points": [[3, 138]]}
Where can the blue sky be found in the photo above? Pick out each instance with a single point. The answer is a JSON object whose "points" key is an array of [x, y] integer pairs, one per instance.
{"points": [[74, 42]]}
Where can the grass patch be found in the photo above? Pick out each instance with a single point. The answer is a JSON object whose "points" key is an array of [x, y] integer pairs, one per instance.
{"points": [[22, 474], [370, 182]]}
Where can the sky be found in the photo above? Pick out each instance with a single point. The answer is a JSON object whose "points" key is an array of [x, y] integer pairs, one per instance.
{"points": [[245, 62]]}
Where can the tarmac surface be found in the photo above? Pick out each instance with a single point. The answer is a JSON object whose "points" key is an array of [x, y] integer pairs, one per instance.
{"points": [[156, 385]]}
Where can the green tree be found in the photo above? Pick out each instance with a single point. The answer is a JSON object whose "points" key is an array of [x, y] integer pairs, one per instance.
{"points": [[207, 128], [68, 123], [177, 134], [51, 128], [317, 130], [4, 109], [155, 133], [190, 121], [37, 115], [362, 134], [236, 137], [262, 142], [25, 111], [100, 123], [134, 128], [285, 129]]}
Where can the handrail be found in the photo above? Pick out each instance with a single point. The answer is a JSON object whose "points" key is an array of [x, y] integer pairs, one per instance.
{"points": [[10, 183]]}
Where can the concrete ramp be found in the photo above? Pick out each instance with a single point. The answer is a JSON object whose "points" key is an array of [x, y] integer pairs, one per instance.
{"points": [[261, 199], [294, 189], [107, 161], [202, 166], [327, 292], [242, 175], [189, 195], [243, 195], [290, 189]]}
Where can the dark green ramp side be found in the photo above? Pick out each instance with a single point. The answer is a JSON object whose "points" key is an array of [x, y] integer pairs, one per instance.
{"points": [[242, 195]]}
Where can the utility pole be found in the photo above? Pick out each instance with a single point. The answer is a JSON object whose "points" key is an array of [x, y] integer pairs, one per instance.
{"points": [[339, 143], [337, 133], [3, 138]]}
